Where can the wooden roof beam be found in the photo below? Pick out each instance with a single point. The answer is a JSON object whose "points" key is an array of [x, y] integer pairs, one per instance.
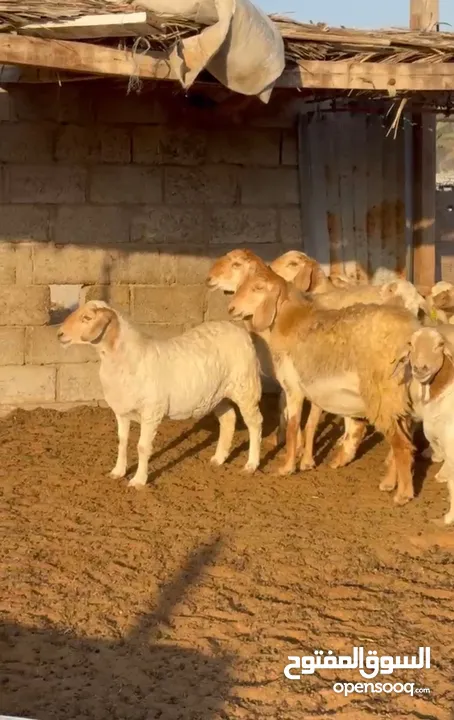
{"points": [[87, 58]]}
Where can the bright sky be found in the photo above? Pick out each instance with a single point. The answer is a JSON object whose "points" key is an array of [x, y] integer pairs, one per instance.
{"points": [[354, 13]]}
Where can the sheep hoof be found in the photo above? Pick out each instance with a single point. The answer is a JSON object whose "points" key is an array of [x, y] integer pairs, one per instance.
{"points": [[249, 468], [402, 498], [136, 483], [307, 465], [117, 474], [217, 461], [443, 522], [286, 470], [387, 486], [440, 478]]}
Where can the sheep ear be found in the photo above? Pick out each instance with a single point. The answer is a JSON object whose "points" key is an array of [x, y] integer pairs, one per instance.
{"points": [[447, 351], [303, 280], [95, 333], [265, 314], [401, 360]]}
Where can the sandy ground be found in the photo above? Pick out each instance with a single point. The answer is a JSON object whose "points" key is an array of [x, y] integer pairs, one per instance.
{"points": [[182, 601]]}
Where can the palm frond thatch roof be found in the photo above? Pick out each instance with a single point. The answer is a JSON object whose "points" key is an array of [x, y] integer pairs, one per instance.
{"points": [[303, 41]]}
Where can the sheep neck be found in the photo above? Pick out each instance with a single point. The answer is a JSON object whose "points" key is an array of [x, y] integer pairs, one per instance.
{"points": [[123, 350], [442, 380]]}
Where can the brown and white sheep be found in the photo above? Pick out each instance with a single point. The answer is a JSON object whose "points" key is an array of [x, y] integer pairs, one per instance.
{"points": [[340, 359]]}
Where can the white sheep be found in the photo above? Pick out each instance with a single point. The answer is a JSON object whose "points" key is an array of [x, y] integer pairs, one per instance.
{"points": [[430, 356], [184, 377], [440, 302]]}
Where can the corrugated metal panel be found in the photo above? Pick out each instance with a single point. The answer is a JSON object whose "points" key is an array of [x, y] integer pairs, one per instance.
{"points": [[353, 193]]}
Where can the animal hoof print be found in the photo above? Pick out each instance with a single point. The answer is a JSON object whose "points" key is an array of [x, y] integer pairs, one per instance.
{"points": [[402, 499]]}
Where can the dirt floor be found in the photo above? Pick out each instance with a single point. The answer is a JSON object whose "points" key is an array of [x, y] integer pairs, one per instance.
{"points": [[183, 601]]}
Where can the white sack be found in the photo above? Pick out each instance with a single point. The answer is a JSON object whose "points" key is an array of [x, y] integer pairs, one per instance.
{"points": [[241, 47]]}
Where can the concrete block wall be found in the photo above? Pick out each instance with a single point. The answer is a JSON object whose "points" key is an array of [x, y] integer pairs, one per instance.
{"points": [[106, 195]]}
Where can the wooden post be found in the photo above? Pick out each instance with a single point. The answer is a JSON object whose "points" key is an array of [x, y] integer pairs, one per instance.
{"points": [[424, 16]]}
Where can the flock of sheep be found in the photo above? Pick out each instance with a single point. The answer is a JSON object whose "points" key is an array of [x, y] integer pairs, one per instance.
{"points": [[375, 353]]}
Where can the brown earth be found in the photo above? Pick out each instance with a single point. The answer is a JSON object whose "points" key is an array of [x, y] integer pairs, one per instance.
{"points": [[182, 601]]}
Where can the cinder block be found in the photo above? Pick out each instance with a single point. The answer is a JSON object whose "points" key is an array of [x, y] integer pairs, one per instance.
{"points": [[93, 143], [66, 103], [242, 226], [46, 184], [24, 263], [125, 184], [12, 345], [114, 105], [171, 305], [212, 184], [26, 143], [289, 147], [69, 264], [43, 348], [21, 223], [147, 268], [88, 225], [154, 145], [160, 332], [217, 304], [169, 225], [24, 305], [115, 295], [5, 106], [290, 228], [27, 383], [244, 147], [7, 264], [79, 383], [271, 187], [192, 269]]}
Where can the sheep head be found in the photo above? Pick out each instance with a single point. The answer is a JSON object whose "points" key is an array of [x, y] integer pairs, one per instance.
{"points": [[230, 270], [258, 299], [301, 270], [93, 323], [425, 354]]}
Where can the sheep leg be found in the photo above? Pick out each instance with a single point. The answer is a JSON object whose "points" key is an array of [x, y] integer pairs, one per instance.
{"points": [[226, 415], [403, 457], [295, 408], [148, 428], [278, 435], [307, 461], [449, 517], [253, 419], [123, 426], [389, 482], [355, 431]]}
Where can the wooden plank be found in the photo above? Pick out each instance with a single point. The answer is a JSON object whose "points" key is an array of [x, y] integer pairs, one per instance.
{"points": [[344, 149], [400, 218], [424, 175], [389, 204], [424, 15], [375, 133], [318, 204], [93, 27], [79, 57], [333, 207], [359, 173], [342, 75]]}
